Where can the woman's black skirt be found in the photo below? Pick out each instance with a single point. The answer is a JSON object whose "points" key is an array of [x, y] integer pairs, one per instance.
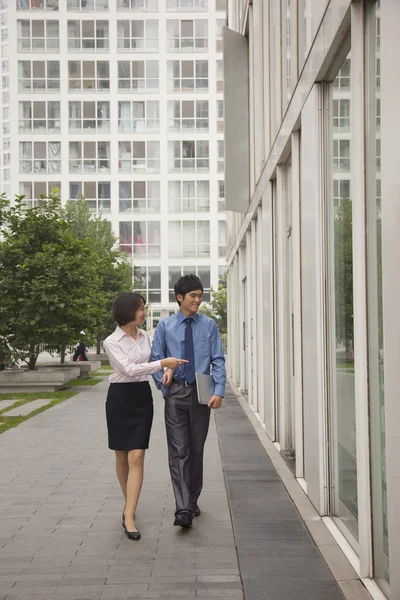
{"points": [[129, 411]]}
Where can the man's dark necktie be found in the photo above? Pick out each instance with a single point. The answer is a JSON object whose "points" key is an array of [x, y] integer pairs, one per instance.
{"points": [[190, 374]]}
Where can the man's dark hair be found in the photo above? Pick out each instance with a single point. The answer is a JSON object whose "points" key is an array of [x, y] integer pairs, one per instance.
{"points": [[126, 306], [186, 284]]}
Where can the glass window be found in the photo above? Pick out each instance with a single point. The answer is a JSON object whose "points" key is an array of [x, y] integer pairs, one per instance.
{"points": [[221, 196], [187, 35], [186, 115], [375, 307], [139, 116], [88, 36], [188, 196], [139, 196], [88, 75], [341, 329], [39, 117], [38, 75], [89, 157], [221, 156], [87, 5], [189, 239], [220, 75], [89, 117], [187, 5], [219, 26], [34, 190], [138, 5], [341, 114], [188, 156], [138, 76], [187, 75], [140, 238], [137, 36], [148, 283], [37, 4], [139, 157], [97, 194], [286, 52], [221, 239], [40, 157], [38, 36]]}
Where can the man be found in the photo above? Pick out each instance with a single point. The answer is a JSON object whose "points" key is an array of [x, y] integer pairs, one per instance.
{"points": [[196, 338], [80, 351]]}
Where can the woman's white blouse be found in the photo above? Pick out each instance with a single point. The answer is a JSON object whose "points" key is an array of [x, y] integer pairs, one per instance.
{"points": [[129, 358]]}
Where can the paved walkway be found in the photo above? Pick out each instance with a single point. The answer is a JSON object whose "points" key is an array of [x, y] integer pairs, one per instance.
{"points": [[60, 517]]}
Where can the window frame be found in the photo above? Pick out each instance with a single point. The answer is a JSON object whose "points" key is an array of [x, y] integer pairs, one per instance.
{"points": [[96, 80], [32, 118], [150, 204], [86, 43], [150, 164], [95, 204], [50, 43]]}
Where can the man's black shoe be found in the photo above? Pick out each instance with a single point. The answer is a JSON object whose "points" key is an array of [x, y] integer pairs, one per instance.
{"points": [[183, 519], [197, 512]]}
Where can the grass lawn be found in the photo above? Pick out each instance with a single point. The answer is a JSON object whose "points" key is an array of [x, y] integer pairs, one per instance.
{"points": [[79, 382], [20, 399], [348, 365], [105, 368]]}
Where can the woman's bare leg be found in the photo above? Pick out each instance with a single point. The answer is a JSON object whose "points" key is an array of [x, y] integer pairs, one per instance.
{"points": [[122, 468], [134, 486]]}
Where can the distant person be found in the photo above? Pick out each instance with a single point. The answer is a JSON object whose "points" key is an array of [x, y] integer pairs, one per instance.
{"points": [[129, 406], [80, 352], [196, 338]]}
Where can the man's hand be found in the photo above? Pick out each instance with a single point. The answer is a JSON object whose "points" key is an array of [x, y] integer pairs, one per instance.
{"points": [[167, 378], [215, 402]]}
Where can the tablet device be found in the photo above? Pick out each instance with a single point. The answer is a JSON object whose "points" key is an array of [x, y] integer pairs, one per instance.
{"points": [[205, 388]]}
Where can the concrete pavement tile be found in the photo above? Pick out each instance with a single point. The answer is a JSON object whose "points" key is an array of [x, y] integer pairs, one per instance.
{"points": [[293, 589], [207, 593], [124, 591], [144, 569], [167, 594], [31, 577], [84, 592], [39, 569], [133, 577], [81, 581], [42, 595], [37, 583], [218, 578], [157, 586]]}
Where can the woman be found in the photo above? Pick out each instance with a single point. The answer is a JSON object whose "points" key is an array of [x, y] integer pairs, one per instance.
{"points": [[129, 406]]}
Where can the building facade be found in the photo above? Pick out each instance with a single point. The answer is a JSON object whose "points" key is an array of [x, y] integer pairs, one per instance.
{"points": [[121, 102], [312, 186]]}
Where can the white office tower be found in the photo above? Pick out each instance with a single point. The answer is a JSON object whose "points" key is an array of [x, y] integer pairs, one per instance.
{"points": [[121, 101]]}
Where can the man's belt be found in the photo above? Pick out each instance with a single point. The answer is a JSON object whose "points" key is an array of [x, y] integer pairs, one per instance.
{"points": [[183, 382]]}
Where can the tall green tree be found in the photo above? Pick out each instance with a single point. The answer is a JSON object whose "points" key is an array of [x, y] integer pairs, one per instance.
{"points": [[217, 307], [113, 268], [343, 244], [50, 284]]}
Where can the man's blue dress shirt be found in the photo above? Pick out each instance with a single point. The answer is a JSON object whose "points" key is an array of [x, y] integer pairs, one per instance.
{"points": [[169, 340]]}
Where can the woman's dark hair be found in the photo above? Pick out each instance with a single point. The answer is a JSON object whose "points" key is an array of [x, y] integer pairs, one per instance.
{"points": [[126, 306], [186, 284]]}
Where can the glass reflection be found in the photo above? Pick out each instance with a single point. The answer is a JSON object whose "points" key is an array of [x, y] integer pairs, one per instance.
{"points": [[375, 307], [342, 388]]}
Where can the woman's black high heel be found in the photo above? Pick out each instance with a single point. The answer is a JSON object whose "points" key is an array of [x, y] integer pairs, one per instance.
{"points": [[132, 535]]}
